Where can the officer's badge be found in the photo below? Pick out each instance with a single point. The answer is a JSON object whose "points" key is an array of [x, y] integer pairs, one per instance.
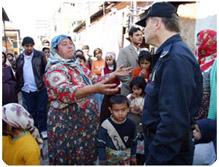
{"points": [[153, 75], [126, 138], [164, 53]]}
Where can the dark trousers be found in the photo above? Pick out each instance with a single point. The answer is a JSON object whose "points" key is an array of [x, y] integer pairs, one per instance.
{"points": [[105, 112], [36, 105], [184, 157]]}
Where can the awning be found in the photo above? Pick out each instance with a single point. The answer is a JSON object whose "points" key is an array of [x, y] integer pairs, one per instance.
{"points": [[4, 15]]}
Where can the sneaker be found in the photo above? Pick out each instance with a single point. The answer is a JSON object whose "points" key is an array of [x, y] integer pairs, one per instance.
{"points": [[44, 134]]}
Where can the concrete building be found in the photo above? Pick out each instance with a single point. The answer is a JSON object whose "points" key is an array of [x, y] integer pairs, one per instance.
{"points": [[13, 40], [206, 16], [109, 24], [10, 35]]}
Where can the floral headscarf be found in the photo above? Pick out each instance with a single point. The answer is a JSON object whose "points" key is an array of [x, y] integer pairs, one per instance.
{"points": [[207, 48], [55, 58], [17, 116]]}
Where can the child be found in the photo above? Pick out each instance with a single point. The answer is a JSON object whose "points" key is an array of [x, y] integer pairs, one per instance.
{"points": [[144, 61], [19, 146], [110, 63], [89, 58], [80, 58], [110, 66], [99, 63], [96, 69], [117, 134], [136, 99], [46, 51]]}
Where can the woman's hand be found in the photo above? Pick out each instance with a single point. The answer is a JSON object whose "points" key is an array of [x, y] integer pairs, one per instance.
{"points": [[99, 87], [108, 89], [122, 71]]}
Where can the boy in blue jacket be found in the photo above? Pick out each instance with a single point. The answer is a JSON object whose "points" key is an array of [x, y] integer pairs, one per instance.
{"points": [[117, 135]]}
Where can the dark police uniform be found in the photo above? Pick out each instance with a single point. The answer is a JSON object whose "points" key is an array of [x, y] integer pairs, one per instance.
{"points": [[173, 95]]}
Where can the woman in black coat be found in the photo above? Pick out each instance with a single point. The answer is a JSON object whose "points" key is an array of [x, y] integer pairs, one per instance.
{"points": [[9, 93]]}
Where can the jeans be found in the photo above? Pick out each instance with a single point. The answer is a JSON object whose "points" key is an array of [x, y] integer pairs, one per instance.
{"points": [[36, 105]]}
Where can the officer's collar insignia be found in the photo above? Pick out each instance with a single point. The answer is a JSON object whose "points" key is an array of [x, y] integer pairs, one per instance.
{"points": [[164, 53], [153, 75], [126, 138]]}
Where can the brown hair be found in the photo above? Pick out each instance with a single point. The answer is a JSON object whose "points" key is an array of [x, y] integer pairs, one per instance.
{"points": [[97, 50]]}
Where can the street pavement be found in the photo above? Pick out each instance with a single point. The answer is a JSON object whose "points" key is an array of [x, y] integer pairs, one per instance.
{"points": [[44, 153]]}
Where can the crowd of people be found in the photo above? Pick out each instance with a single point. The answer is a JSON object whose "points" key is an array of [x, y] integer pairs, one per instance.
{"points": [[141, 108]]}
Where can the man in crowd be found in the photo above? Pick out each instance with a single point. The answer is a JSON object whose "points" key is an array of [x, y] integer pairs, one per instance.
{"points": [[46, 51], [29, 74], [128, 56]]}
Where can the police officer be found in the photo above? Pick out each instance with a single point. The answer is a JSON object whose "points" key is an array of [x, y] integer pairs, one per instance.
{"points": [[173, 93]]}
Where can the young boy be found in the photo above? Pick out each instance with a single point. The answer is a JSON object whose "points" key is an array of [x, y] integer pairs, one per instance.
{"points": [[117, 135]]}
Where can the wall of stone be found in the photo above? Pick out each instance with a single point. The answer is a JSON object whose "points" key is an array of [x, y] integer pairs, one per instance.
{"points": [[187, 26]]}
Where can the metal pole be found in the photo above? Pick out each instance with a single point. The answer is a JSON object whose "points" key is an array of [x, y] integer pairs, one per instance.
{"points": [[133, 9], [5, 37]]}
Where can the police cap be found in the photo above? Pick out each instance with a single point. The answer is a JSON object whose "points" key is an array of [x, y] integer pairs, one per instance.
{"points": [[159, 9]]}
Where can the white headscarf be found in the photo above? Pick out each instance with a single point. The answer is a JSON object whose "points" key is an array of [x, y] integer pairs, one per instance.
{"points": [[109, 54]]}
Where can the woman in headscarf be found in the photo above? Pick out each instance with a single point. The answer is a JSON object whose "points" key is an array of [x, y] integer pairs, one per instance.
{"points": [[206, 54], [205, 129], [73, 117], [21, 140]]}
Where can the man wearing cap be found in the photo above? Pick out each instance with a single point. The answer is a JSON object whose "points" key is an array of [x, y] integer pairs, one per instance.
{"points": [[29, 74], [173, 93]]}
